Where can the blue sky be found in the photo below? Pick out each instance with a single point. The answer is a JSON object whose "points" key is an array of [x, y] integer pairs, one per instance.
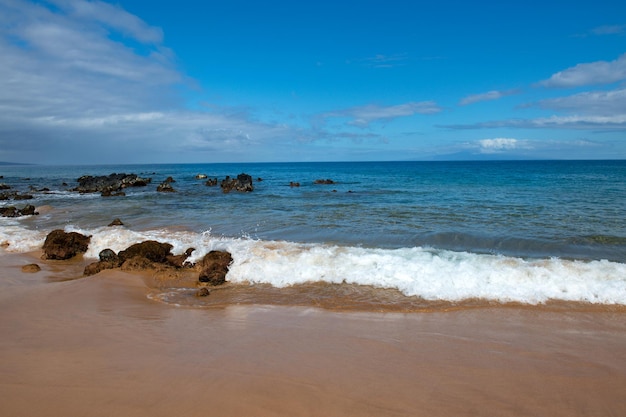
{"points": [[238, 81]]}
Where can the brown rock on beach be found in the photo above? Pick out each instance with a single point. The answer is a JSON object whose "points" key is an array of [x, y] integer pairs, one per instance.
{"points": [[62, 245], [31, 268]]}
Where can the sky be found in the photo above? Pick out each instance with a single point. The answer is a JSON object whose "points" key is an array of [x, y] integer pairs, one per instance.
{"points": [[96, 82]]}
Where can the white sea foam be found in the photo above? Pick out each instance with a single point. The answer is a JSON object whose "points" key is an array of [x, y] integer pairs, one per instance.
{"points": [[427, 273]]}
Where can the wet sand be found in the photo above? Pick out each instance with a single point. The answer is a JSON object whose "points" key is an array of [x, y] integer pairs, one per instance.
{"points": [[98, 346]]}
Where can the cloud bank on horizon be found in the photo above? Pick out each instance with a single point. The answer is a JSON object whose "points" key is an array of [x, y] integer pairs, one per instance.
{"points": [[98, 82]]}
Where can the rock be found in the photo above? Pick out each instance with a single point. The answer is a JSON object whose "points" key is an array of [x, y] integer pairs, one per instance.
{"points": [[165, 187], [169, 180], [178, 261], [31, 268], [116, 222], [107, 255], [211, 182], [28, 210], [4, 186], [137, 263], [23, 197], [200, 176], [214, 267], [9, 211], [95, 267], [62, 245], [203, 292], [327, 181], [243, 183], [110, 183], [150, 249], [294, 184], [12, 211], [109, 193]]}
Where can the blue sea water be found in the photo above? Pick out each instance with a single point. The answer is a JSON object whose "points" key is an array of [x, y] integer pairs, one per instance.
{"points": [[526, 231]]}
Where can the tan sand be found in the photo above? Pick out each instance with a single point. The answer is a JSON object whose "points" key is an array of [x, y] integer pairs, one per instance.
{"points": [[99, 347]]}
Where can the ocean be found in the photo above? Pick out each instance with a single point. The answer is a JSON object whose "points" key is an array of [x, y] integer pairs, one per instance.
{"points": [[529, 232]]}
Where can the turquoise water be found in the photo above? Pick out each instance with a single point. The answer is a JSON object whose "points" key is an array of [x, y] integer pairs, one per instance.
{"points": [[569, 209]]}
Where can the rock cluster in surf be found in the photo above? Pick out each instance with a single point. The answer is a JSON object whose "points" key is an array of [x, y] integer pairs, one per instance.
{"points": [[146, 255], [12, 211]]}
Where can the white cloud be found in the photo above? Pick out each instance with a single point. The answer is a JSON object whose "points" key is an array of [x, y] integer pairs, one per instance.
{"points": [[616, 122], [593, 73], [592, 102], [489, 95], [363, 116], [71, 92], [497, 145]]}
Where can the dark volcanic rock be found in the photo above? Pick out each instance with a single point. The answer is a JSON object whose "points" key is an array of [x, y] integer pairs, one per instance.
{"points": [[4, 187], [108, 260], [165, 187], [109, 193], [107, 255], [62, 245], [28, 210], [109, 183], [179, 261], [116, 222], [211, 182], [243, 183], [150, 249], [9, 211], [23, 197], [327, 181], [12, 211], [214, 267]]}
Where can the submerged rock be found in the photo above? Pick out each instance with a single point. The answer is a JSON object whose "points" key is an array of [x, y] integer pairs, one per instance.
{"points": [[203, 292], [12, 211], [31, 268], [116, 222], [63, 245]]}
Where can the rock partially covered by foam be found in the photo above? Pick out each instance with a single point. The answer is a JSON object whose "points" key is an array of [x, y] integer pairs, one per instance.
{"points": [[214, 267], [12, 211], [62, 245], [153, 255], [149, 249]]}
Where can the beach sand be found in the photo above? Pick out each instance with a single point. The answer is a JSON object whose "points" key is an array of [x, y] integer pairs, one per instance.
{"points": [[98, 346]]}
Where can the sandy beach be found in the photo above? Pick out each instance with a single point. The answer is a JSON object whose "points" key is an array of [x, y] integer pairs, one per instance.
{"points": [[99, 346]]}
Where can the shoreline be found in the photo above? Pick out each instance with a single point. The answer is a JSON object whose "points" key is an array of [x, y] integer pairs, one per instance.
{"points": [[98, 346]]}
